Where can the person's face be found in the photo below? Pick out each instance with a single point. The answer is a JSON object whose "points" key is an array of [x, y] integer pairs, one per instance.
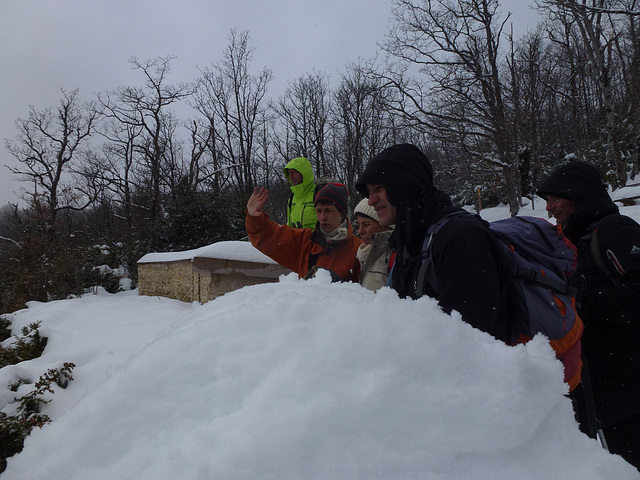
{"points": [[295, 176], [560, 208], [329, 217], [380, 203], [367, 227]]}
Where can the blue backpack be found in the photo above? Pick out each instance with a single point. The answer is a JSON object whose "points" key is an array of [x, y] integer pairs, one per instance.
{"points": [[539, 259]]}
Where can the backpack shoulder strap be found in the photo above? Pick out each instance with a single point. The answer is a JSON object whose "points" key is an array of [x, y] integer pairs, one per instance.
{"points": [[614, 274], [596, 253], [426, 268], [594, 248], [426, 273]]}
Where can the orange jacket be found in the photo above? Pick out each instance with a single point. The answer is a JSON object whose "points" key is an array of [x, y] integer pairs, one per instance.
{"points": [[292, 247]]}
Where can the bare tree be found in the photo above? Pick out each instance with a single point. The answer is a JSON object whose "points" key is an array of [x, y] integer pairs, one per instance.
{"points": [[143, 126], [362, 126], [597, 22], [627, 47], [47, 149], [532, 67], [462, 96], [303, 114], [232, 101], [198, 169], [117, 164]]}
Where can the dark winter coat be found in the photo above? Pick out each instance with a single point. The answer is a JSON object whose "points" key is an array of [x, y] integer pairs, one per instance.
{"points": [[469, 272], [609, 306]]}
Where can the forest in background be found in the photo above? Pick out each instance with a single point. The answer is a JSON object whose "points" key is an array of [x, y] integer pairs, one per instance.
{"points": [[166, 166]]}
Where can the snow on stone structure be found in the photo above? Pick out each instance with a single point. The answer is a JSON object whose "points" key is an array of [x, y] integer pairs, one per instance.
{"points": [[205, 273]]}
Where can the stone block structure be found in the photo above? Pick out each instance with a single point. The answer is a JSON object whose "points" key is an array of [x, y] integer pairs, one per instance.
{"points": [[205, 273]]}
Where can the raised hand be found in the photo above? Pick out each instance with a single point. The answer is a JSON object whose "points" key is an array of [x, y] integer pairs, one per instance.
{"points": [[257, 201]]}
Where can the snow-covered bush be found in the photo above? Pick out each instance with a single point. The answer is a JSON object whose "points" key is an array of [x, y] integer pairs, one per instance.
{"points": [[21, 402]]}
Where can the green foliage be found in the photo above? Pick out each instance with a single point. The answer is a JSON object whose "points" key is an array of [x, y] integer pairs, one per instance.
{"points": [[40, 264], [15, 428], [49, 265], [13, 431], [31, 402], [102, 266], [5, 328], [196, 219]]}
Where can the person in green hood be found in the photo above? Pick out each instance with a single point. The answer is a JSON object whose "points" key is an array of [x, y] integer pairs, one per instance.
{"points": [[301, 212]]}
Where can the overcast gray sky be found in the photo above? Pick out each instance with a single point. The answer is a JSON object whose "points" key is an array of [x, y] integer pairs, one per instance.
{"points": [[47, 45]]}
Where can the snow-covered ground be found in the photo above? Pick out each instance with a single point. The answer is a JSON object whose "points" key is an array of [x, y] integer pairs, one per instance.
{"points": [[296, 380]]}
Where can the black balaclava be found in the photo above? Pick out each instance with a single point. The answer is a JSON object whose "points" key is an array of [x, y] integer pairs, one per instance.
{"points": [[582, 184]]}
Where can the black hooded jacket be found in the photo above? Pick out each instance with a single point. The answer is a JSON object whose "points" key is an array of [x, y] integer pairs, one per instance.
{"points": [[580, 183], [469, 272], [608, 305]]}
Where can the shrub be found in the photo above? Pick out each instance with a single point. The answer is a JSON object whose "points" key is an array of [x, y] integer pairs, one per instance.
{"points": [[5, 330], [29, 346], [15, 428]]}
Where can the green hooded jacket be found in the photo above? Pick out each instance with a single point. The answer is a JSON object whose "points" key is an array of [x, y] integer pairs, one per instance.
{"points": [[301, 212]]}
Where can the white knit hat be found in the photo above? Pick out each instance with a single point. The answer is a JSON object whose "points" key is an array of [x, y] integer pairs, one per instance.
{"points": [[363, 208]]}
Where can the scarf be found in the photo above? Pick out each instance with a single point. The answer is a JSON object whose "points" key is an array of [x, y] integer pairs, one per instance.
{"points": [[339, 234], [363, 252]]}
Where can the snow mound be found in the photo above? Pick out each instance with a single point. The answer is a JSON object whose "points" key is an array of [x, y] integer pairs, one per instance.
{"points": [[303, 379]]}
